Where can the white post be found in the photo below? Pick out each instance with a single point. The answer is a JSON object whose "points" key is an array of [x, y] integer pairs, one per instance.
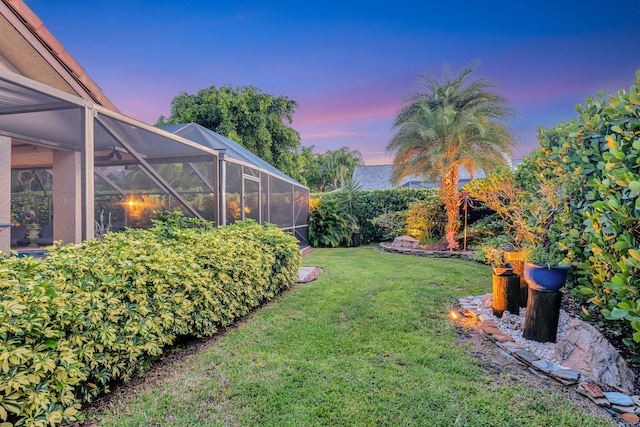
{"points": [[67, 196], [5, 194], [222, 180], [88, 201]]}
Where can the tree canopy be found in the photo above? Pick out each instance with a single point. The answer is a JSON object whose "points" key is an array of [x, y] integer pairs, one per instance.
{"points": [[330, 170], [338, 165], [458, 122], [256, 120]]}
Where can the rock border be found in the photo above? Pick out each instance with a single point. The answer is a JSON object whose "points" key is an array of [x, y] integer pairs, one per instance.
{"points": [[388, 247], [621, 405]]}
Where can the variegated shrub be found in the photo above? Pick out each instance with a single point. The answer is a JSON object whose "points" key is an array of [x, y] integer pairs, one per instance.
{"points": [[101, 311]]}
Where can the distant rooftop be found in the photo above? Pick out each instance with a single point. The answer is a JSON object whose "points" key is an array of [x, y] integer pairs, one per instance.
{"points": [[378, 177]]}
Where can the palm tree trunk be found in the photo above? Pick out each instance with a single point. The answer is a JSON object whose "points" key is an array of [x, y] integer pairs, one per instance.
{"points": [[452, 205]]}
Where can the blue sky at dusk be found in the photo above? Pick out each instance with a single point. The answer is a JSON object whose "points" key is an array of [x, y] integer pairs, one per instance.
{"points": [[350, 64]]}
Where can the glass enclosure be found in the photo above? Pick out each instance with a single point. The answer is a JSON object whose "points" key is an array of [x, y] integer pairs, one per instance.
{"points": [[253, 189], [121, 171]]}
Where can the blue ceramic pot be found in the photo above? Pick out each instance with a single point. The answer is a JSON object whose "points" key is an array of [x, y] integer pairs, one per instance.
{"points": [[545, 278]]}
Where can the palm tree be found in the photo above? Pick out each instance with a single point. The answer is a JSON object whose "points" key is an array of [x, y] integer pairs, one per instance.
{"points": [[449, 125], [339, 164]]}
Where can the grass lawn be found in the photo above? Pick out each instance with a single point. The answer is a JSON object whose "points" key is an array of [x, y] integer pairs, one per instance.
{"points": [[366, 344]]}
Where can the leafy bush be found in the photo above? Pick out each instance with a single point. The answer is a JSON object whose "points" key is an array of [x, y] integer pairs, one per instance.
{"points": [[329, 225], [368, 204], [98, 312], [487, 227], [598, 155], [491, 249], [347, 203], [426, 220], [393, 224]]}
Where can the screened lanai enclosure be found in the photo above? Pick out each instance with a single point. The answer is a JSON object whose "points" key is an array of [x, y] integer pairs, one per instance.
{"points": [[78, 170]]}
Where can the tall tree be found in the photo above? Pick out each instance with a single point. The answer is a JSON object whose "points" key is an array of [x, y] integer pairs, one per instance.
{"points": [[313, 173], [459, 122], [254, 119], [339, 164]]}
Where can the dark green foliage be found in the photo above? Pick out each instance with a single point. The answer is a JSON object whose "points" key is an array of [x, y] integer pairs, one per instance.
{"points": [[329, 226], [599, 226], [392, 224], [254, 119], [98, 312], [313, 174], [368, 204], [488, 235], [489, 226]]}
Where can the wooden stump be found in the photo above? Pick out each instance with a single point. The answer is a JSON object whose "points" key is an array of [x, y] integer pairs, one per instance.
{"points": [[506, 294], [543, 312], [518, 268]]}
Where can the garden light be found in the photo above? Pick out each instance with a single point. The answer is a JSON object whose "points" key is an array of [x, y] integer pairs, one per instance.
{"points": [[455, 315]]}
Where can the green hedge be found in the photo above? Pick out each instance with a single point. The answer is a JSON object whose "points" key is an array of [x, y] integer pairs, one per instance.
{"points": [[91, 314], [599, 228], [369, 204]]}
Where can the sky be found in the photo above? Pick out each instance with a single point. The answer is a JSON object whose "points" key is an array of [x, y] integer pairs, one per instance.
{"points": [[351, 64]]}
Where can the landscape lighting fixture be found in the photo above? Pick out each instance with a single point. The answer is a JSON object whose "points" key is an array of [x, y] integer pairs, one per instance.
{"points": [[455, 315]]}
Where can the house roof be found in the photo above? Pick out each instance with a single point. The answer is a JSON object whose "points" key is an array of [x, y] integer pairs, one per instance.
{"points": [[28, 48], [232, 149], [378, 177]]}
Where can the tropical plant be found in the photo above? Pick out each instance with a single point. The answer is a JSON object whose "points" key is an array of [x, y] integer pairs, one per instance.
{"points": [[392, 224], [426, 220], [530, 212], [369, 204], [328, 226], [492, 249], [347, 202], [449, 125], [489, 227], [339, 165]]}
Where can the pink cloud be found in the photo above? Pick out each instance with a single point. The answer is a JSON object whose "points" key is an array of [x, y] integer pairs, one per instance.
{"points": [[328, 112], [332, 133]]}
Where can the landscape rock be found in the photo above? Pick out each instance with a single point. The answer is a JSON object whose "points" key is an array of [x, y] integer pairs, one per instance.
{"points": [[544, 365], [566, 374], [604, 366], [623, 409], [490, 329], [405, 242], [526, 356], [513, 346], [619, 399], [630, 418], [487, 301], [502, 337], [418, 251], [591, 390]]}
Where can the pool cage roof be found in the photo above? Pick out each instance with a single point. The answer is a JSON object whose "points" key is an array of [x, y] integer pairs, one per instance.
{"points": [[41, 120], [210, 139]]}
